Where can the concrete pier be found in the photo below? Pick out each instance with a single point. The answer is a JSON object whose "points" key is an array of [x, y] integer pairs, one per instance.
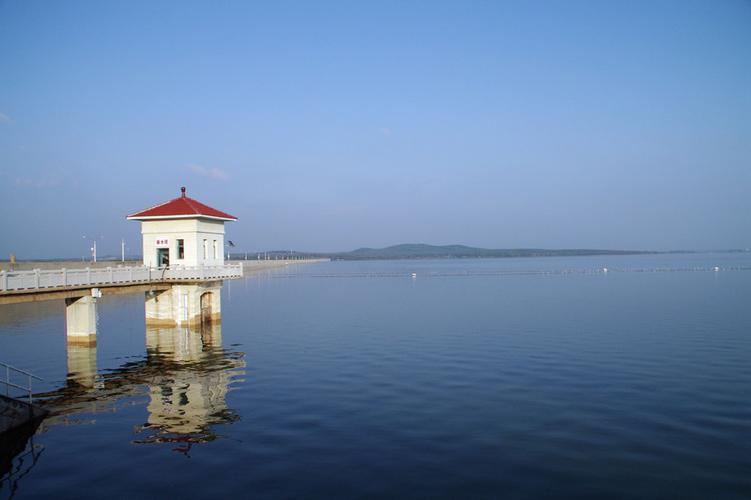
{"points": [[80, 320], [15, 413], [185, 305]]}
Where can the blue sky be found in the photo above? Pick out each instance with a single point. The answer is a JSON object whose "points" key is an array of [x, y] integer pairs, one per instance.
{"points": [[335, 125]]}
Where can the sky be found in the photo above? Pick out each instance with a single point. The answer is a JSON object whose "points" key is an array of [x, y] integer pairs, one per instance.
{"points": [[327, 126]]}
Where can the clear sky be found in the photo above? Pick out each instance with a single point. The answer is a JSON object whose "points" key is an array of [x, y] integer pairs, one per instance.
{"points": [[335, 125]]}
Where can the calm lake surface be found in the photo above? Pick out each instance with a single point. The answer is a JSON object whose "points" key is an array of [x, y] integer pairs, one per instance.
{"points": [[497, 378]]}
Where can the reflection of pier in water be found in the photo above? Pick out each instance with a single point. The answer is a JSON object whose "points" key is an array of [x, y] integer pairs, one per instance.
{"points": [[186, 375]]}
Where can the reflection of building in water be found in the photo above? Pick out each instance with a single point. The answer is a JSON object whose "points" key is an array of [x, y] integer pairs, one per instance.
{"points": [[81, 364], [184, 403], [186, 374]]}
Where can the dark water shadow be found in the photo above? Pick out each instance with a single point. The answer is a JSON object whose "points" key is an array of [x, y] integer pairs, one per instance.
{"points": [[18, 456]]}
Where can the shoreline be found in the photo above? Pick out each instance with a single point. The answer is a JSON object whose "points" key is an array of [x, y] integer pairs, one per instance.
{"points": [[248, 265], [255, 266]]}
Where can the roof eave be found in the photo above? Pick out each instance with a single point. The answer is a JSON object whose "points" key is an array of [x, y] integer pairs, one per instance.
{"points": [[189, 216]]}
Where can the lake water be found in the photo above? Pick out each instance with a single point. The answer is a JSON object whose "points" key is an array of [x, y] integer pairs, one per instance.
{"points": [[497, 378]]}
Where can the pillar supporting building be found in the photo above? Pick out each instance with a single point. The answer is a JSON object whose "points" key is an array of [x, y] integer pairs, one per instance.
{"points": [[81, 319], [185, 305]]}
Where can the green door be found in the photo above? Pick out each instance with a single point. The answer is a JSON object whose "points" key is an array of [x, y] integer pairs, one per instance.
{"points": [[162, 257]]}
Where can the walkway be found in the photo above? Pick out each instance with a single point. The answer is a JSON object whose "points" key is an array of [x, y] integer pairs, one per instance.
{"points": [[18, 286]]}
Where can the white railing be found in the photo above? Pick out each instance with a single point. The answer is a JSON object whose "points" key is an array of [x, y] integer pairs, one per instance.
{"points": [[65, 278], [8, 384]]}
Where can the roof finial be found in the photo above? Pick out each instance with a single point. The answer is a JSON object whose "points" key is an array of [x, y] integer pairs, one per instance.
{"points": [[182, 190]]}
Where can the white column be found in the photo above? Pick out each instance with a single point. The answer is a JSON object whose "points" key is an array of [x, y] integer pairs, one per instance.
{"points": [[80, 320]]}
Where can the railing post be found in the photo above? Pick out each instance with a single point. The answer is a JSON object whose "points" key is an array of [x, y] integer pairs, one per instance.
{"points": [[4, 279], [88, 275], [30, 397], [130, 274], [65, 277], [112, 276], [36, 278]]}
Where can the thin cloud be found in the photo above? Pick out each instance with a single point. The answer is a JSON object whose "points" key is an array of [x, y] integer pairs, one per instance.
{"points": [[210, 172], [4, 118], [46, 179]]}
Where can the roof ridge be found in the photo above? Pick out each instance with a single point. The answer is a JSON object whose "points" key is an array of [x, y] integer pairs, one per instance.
{"points": [[190, 203]]}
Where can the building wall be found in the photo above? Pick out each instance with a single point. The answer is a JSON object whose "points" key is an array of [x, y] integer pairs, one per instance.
{"points": [[165, 233]]}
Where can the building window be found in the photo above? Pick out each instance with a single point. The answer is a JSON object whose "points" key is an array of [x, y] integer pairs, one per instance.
{"points": [[205, 249], [180, 249], [216, 250]]}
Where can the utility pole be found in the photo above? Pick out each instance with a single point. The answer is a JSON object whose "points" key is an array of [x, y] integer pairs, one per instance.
{"points": [[122, 250]]}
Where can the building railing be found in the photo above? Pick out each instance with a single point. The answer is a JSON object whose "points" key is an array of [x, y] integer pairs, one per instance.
{"points": [[7, 370], [37, 279]]}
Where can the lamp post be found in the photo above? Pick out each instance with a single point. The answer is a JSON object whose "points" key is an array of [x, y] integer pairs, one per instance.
{"points": [[92, 248], [228, 245]]}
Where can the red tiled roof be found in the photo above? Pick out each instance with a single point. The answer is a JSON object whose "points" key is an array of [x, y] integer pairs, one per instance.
{"points": [[182, 207]]}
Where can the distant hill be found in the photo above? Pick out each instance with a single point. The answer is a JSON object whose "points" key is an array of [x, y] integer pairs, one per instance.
{"points": [[423, 251]]}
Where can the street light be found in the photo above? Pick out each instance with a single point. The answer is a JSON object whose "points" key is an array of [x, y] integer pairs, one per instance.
{"points": [[92, 249]]}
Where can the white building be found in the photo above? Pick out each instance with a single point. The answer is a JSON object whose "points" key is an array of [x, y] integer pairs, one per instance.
{"points": [[182, 232]]}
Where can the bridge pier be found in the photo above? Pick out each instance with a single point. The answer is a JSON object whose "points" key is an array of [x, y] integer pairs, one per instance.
{"points": [[80, 320], [185, 305]]}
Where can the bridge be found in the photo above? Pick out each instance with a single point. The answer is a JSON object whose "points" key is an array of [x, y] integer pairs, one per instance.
{"points": [[35, 285], [174, 296]]}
